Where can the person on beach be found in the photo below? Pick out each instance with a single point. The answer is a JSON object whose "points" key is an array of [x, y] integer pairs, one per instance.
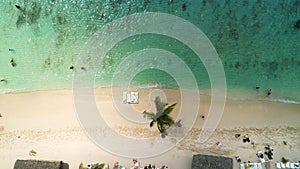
{"points": [[269, 92], [257, 87], [71, 67], [260, 155], [116, 165], [178, 123], [269, 148], [269, 155], [12, 62], [243, 137], [238, 159], [247, 138], [202, 116], [136, 164], [219, 145], [269, 152]]}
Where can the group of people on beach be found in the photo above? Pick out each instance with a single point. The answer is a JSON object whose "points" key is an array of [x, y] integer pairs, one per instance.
{"points": [[269, 152], [150, 166], [245, 137], [137, 165]]}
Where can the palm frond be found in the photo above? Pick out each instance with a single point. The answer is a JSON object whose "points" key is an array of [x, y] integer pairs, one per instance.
{"points": [[169, 109], [164, 122], [148, 115], [161, 117], [161, 127], [159, 106]]}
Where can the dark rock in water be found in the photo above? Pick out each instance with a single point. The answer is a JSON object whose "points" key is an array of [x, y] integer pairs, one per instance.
{"points": [[184, 7], [297, 24], [17, 6]]}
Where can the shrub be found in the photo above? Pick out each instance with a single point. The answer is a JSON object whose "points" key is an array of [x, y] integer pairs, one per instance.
{"points": [[81, 166], [284, 160], [98, 166]]}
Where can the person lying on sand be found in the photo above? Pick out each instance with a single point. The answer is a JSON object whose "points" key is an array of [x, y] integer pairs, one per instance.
{"points": [[238, 159], [12, 62]]}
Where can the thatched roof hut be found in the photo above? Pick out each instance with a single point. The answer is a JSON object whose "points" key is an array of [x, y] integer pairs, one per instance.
{"points": [[39, 164], [211, 162]]}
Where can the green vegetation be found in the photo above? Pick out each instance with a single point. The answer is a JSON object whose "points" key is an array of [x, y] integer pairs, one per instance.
{"points": [[284, 160], [95, 166], [162, 116]]}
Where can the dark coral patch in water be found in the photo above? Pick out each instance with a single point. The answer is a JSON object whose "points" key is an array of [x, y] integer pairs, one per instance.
{"points": [[297, 24], [29, 16], [237, 65], [184, 7]]}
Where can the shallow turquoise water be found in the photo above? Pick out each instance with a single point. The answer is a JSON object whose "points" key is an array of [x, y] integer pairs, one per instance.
{"points": [[256, 41]]}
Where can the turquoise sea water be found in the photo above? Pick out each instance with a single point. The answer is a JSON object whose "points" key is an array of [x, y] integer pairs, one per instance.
{"points": [[256, 39]]}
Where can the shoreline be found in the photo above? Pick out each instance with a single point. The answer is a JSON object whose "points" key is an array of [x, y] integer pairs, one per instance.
{"points": [[231, 93], [45, 119]]}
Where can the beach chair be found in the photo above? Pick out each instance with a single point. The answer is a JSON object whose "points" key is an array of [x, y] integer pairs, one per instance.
{"points": [[297, 165], [106, 166], [287, 165], [278, 165], [262, 160], [134, 97], [242, 166], [292, 165], [259, 166], [253, 165], [131, 97], [128, 98], [124, 97], [282, 165]]}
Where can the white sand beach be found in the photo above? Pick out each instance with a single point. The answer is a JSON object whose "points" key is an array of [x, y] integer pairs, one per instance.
{"points": [[46, 121]]}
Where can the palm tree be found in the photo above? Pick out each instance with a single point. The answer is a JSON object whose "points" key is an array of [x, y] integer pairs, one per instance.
{"points": [[162, 115]]}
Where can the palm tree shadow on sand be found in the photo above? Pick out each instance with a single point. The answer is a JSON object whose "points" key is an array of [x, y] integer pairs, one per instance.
{"points": [[162, 116]]}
